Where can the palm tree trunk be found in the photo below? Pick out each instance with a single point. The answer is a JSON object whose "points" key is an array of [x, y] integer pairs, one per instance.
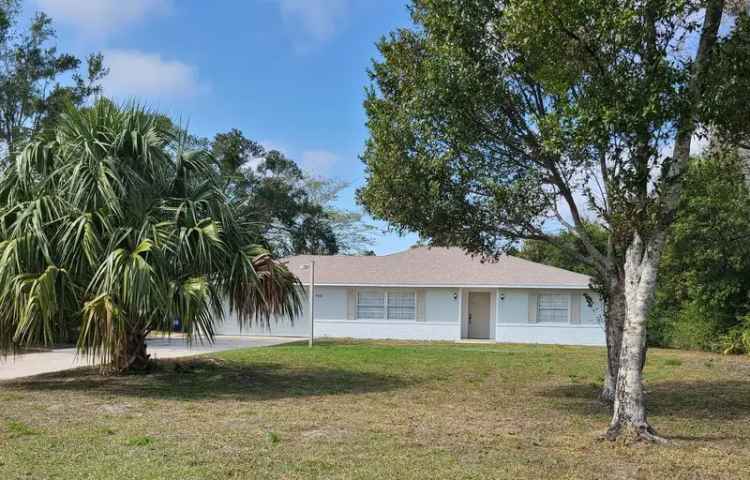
{"points": [[132, 355]]}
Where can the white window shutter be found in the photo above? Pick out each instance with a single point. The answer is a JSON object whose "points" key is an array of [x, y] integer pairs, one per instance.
{"points": [[533, 307], [575, 308], [351, 303], [420, 305]]}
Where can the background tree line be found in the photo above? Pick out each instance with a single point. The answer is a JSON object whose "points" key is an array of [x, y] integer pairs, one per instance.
{"points": [[294, 210]]}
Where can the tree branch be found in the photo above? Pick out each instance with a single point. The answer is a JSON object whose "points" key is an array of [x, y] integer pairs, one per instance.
{"points": [[686, 123]]}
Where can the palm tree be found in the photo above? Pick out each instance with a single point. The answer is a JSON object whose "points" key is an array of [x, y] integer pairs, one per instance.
{"points": [[109, 227]]}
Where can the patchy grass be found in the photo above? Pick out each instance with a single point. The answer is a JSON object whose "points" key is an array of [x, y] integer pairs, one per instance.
{"points": [[18, 429], [142, 441], [359, 410]]}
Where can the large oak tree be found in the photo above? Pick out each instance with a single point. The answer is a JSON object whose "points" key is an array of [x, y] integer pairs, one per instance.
{"points": [[496, 121]]}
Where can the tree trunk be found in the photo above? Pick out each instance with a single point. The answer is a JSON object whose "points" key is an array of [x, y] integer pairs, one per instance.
{"points": [[607, 394], [614, 323], [132, 355], [629, 413], [643, 254]]}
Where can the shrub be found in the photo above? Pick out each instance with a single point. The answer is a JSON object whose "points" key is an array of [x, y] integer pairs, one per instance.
{"points": [[737, 339]]}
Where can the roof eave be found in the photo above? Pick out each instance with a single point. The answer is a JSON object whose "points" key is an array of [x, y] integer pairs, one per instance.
{"points": [[456, 285]]}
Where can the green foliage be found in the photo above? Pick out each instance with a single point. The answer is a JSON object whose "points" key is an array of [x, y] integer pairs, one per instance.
{"points": [[737, 338], [488, 118], [17, 429], [31, 96], [444, 158], [550, 254], [273, 437], [108, 226], [353, 235], [692, 326], [704, 282], [143, 441], [493, 123], [729, 109], [291, 210]]}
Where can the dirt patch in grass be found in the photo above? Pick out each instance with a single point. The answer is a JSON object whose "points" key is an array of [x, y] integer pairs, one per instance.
{"points": [[115, 408], [349, 410]]}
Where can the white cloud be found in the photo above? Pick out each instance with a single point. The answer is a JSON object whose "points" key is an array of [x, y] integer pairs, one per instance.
{"points": [[269, 145], [139, 74], [318, 162], [100, 17], [312, 161], [313, 22]]}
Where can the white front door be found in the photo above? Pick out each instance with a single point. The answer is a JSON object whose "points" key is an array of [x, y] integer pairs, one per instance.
{"points": [[479, 315]]}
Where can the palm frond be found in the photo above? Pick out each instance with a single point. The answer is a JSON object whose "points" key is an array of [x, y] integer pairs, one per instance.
{"points": [[259, 287]]}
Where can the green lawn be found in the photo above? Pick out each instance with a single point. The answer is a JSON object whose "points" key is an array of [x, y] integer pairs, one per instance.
{"points": [[386, 410]]}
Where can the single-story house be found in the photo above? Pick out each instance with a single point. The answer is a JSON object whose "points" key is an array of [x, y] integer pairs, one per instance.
{"points": [[441, 294]]}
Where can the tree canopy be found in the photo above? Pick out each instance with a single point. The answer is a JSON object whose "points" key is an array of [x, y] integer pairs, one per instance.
{"points": [[292, 210], [32, 94]]}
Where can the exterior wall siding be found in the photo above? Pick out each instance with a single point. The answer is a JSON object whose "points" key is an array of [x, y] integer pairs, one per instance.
{"points": [[441, 306], [551, 334], [276, 327], [387, 329], [442, 319], [514, 326]]}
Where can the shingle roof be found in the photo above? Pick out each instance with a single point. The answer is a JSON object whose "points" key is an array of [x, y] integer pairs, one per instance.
{"points": [[425, 266]]}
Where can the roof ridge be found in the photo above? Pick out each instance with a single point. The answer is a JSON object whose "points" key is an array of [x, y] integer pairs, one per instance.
{"points": [[408, 250], [545, 265]]}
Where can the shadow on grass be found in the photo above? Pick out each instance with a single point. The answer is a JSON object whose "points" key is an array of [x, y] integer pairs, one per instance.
{"points": [[209, 378], [715, 400]]}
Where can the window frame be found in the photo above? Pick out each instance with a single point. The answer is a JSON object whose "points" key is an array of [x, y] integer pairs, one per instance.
{"points": [[357, 304], [568, 308], [385, 293], [412, 293]]}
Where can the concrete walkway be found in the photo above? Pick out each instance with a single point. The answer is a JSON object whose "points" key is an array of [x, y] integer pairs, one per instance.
{"points": [[65, 358]]}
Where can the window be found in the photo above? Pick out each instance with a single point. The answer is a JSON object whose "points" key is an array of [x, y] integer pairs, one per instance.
{"points": [[370, 304], [381, 305], [402, 306], [553, 308]]}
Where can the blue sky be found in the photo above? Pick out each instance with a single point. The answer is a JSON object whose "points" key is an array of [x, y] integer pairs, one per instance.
{"points": [[288, 73]]}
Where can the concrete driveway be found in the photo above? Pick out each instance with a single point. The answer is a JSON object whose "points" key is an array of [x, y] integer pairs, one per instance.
{"points": [[159, 347]]}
